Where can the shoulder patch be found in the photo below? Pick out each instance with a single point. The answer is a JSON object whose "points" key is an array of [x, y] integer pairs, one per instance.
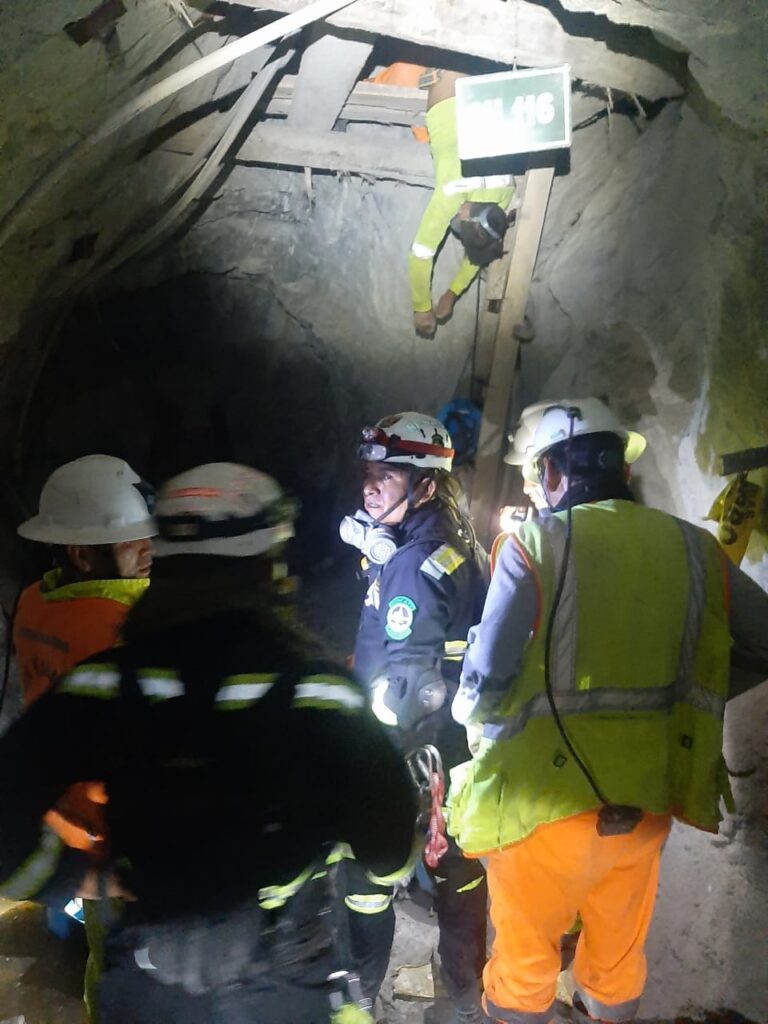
{"points": [[442, 562], [401, 612]]}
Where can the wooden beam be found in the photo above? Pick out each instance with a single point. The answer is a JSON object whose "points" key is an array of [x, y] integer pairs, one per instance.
{"points": [[520, 32], [375, 104], [336, 151], [495, 287], [744, 461], [330, 66], [493, 432], [386, 104]]}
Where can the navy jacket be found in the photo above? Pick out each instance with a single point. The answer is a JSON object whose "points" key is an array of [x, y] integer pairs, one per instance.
{"points": [[425, 596]]}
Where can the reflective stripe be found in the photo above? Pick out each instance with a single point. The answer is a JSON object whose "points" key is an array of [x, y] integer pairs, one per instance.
{"points": [[159, 684], [141, 956], [271, 897], [472, 885], [403, 872], [374, 904], [340, 852], [42, 638], [566, 618], [30, 878], [442, 562], [454, 650], [459, 185], [241, 691], [516, 1016], [91, 681], [327, 692], [603, 699], [422, 252], [697, 592], [607, 1011]]}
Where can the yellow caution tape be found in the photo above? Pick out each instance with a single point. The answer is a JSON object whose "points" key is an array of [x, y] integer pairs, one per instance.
{"points": [[735, 510]]}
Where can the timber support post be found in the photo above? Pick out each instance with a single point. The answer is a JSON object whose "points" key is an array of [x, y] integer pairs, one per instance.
{"points": [[493, 432]]}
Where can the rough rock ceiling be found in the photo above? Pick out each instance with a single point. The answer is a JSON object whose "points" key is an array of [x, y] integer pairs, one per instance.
{"points": [[724, 44], [62, 217]]}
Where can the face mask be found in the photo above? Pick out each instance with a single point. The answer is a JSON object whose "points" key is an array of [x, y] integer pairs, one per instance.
{"points": [[361, 531]]}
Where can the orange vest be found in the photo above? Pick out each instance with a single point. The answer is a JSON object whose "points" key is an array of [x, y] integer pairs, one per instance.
{"points": [[54, 629]]}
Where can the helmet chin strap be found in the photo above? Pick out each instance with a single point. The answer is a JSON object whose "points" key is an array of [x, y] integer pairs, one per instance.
{"points": [[390, 510], [408, 496], [544, 489], [411, 491]]}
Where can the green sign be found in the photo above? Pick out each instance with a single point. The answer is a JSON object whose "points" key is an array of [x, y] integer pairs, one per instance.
{"points": [[513, 112]]}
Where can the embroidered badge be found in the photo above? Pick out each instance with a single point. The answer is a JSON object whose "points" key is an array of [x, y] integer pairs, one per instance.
{"points": [[400, 613]]}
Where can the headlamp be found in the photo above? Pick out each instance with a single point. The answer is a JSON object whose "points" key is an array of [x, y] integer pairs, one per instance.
{"points": [[372, 452], [378, 446], [482, 219]]}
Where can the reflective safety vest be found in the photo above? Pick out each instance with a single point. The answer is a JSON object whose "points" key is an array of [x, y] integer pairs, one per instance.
{"points": [[55, 628], [639, 669]]}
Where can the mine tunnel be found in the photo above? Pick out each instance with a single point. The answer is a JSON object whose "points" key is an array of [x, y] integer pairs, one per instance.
{"points": [[207, 211]]}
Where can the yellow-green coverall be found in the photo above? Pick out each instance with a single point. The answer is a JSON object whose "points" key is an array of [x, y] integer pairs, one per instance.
{"points": [[444, 205]]}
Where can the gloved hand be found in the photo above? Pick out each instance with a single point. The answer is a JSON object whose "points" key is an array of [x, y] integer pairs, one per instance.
{"points": [[403, 699]]}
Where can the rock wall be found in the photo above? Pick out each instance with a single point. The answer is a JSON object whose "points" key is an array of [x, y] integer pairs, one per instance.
{"points": [[650, 290]]}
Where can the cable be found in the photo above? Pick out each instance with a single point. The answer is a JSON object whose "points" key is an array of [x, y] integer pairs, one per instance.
{"points": [[9, 620], [551, 622], [473, 368]]}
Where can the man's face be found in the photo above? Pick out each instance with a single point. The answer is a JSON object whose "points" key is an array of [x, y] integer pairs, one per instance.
{"points": [[133, 559], [383, 486]]}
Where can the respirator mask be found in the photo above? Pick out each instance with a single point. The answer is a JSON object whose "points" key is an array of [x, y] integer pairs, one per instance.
{"points": [[377, 542]]}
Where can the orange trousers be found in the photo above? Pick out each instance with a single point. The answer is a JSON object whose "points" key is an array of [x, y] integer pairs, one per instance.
{"points": [[539, 885]]}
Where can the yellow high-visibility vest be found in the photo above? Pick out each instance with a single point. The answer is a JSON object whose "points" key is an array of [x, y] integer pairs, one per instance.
{"points": [[639, 669]]}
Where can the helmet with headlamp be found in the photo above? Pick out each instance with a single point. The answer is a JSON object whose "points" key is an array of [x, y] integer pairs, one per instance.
{"points": [[408, 438], [223, 509]]}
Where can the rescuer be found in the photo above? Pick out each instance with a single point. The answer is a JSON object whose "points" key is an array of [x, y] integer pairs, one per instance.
{"points": [[234, 760], [94, 515], [426, 587], [472, 207], [597, 677]]}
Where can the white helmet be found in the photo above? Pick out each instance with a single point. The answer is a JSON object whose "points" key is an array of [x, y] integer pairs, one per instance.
{"points": [[591, 417], [522, 438], [410, 438], [222, 509], [93, 500]]}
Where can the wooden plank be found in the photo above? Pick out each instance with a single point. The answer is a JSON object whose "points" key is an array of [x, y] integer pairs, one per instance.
{"points": [[744, 461], [493, 432], [337, 151], [495, 287], [376, 104], [367, 102], [330, 66], [520, 32]]}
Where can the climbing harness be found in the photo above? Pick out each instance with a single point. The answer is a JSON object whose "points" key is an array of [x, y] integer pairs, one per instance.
{"points": [[426, 769]]}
